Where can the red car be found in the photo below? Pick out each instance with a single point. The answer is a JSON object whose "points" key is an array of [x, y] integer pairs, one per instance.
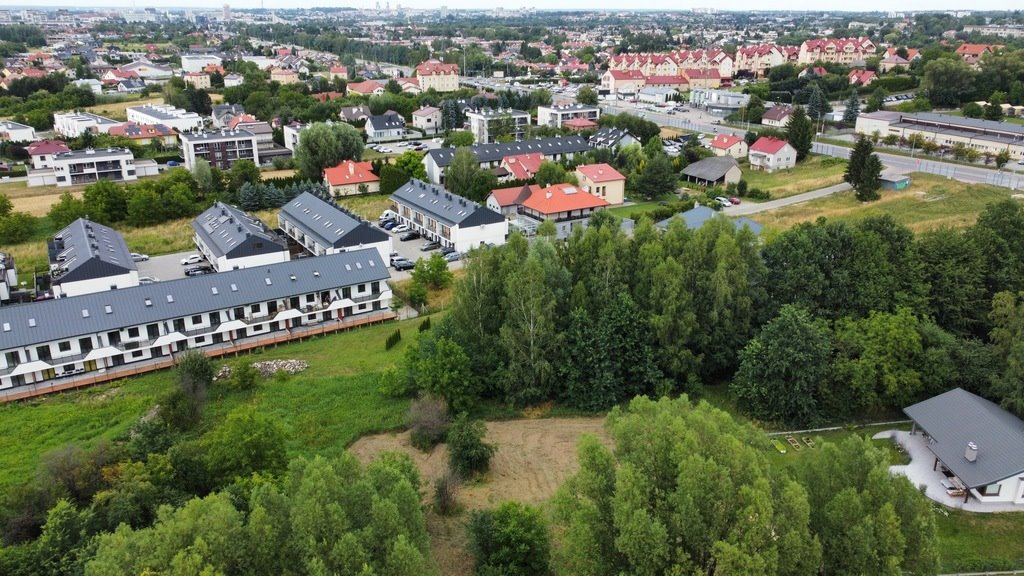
{"points": [[734, 200]]}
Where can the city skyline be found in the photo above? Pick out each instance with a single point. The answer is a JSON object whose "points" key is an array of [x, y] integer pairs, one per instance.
{"points": [[582, 5]]}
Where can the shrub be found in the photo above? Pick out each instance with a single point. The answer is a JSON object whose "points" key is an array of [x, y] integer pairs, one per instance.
{"points": [[425, 325], [741, 187], [427, 421], [446, 492], [468, 454], [150, 436], [395, 385], [244, 377], [511, 540], [393, 340]]}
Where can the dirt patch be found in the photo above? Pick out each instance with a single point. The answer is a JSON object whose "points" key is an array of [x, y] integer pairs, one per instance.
{"points": [[533, 458]]}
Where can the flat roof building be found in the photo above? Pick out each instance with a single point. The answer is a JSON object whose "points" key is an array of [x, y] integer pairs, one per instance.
{"points": [[554, 116], [177, 118], [74, 124], [221, 149], [489, 124]]}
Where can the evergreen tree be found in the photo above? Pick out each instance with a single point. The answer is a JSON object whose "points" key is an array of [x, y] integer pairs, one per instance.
{"points": [[852, 108], [800, 132], [864, 170], [817, 104]]}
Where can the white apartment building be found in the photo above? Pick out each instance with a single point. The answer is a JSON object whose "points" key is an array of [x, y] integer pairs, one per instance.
{"points": [[487, 124], [554, 116], [221, 149], [74, 124], [14, 132], [447, 218], [86, 257], [177, 118]]}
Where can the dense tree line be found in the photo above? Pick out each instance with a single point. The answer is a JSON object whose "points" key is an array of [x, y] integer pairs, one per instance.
{"points": [[688, 490], [41, 100], [827, 320]]}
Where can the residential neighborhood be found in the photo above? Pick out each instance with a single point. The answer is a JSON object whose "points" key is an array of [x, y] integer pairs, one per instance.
{"points": [[412, 290]]}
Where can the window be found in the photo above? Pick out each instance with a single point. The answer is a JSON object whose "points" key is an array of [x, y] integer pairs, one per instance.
{"points": [[255, 308], [991, 490], [361, 288], [138, 353], [375, 287], [197, 319], [133, 332], [346, 292], [64, 346]]}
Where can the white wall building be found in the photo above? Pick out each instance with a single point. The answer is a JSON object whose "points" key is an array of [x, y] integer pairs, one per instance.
{"points": [[177, 118], [554, 115], [87, 257], [74, 124], [221, 149], [14, 132], [322, 227], [487, 124], [196, 62], [231, 239], [447, 218]]}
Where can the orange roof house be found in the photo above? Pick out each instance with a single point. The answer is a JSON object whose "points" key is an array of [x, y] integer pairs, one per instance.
{"points": [[346, 178]]}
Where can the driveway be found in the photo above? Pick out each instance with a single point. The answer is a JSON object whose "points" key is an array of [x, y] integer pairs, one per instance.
{"points": [[166, 267], [747, 208]]}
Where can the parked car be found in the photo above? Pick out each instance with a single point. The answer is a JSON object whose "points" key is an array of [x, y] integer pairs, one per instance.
{"points": [[453, 256], [388, 215], [198, 270], [447, 250], [400, 264], [173, 163], [400, 228], [193, 259], [389, 224], [734, 200], [136, 257], [410, 235], [430, 245], [148, 279], [385, 150], [723, 201]]}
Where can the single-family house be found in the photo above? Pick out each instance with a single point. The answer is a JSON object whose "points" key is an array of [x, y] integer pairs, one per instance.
{"points": [[771, 154], [131, 85], [284, 76], [522, 166], [232, 80], [612, 138], [698, 216], [146, 134], [861, 77], [366, 88], [428, 119], [223, 114], [42, 153], [349, 178], [14, 132], [728, 145], [777, 116], [602, 181], [567, 205], [198, 80], [389, 126], [972, 53]]}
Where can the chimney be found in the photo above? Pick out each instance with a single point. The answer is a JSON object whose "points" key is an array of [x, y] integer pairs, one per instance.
{"points": [[548, 194], [971, 453], [351, 168]]}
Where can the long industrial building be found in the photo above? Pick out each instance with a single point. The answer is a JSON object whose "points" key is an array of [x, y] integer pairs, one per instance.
{"points": [[985, 136], [69, 342]]}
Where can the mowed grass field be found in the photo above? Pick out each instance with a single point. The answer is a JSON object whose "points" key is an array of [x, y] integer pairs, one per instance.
{"points": [[116, 110], [369, 206], [811, 174], [930, 202], [323, 410]]}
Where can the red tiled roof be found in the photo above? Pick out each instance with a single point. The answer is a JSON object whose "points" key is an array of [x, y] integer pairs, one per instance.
{"points": [[433, 67], [523, 166], [142, 131], [349, 172], [696, 73], [768, 145], [343, 70], [861, 76], [242, 119], [325, 96], [365, 87], [667, 80], [579, 123], [973, 49], [627, 74], [513, 196], [47, 147], [600, 173], [725, 141], [562, 198]]}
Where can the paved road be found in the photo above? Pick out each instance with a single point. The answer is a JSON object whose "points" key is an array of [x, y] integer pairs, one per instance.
{"points": [[748, 208]]}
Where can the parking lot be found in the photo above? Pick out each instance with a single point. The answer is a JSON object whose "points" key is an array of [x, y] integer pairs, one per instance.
{"points": [[166, 267], [411, 249]]}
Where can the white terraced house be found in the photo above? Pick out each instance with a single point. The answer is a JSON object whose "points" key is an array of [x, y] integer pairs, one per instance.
{"points": [[60, 344]]}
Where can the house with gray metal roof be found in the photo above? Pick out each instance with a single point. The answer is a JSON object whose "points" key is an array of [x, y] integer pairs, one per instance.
{"points": [[612, 138], [321, 227], [231, 239], [976, 440], [87, 257], [390, 126], [698, 216], [447, 218], [94, 334], [491, 155]]}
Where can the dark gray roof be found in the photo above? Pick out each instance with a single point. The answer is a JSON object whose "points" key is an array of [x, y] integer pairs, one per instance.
{"points": [[957, 417], [65, 317], [959, 121], [86, 250], [351, 113], [232, 109], [699, 215], [444, 206], [330, 224], [495, 152], [230, 232], [608, 137], [386, 122], [711, 169]]}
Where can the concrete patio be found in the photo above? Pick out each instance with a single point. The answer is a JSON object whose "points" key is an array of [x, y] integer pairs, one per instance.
{"points": [[920, 474]]}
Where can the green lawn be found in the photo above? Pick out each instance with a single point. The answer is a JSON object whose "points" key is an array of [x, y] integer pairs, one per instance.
{"points": [[323, 409], [976, 542], [635, 208], [931, 201], [369, 206], [813, 173]]}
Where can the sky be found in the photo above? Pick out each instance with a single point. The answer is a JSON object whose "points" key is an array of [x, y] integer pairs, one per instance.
{"points": [[739, 5]]}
